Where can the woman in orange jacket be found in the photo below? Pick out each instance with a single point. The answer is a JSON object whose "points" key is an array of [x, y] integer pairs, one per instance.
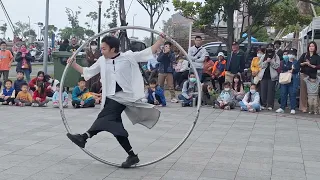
{"points": [[219, 70]]}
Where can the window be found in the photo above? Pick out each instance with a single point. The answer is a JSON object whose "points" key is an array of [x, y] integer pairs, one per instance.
{"points": [[137, 46]]}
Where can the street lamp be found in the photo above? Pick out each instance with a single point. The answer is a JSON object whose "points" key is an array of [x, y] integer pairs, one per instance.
{"points": [[45, 51], [29, 25], [99, 22], [133, 24]]}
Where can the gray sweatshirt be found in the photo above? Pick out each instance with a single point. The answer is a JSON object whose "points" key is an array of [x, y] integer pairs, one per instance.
{"points": [[199, 57], [312, 87]]}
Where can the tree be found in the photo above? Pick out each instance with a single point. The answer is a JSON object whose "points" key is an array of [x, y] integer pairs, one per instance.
{"points": [[89, 32], [3, 29], [94, 17], [147, 40], [21, 27], [174, 30], [30, 32], [75, 29], [112, 12], [154, 8]]}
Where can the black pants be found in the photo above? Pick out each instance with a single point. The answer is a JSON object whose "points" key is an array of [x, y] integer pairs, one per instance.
{"points": [[88, 104], [267, 89], [231, 104], [179, 77], [157, 98], [220, 80], [9, 100]]}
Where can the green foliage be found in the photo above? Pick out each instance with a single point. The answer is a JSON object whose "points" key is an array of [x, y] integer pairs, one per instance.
{"points": [[112, 12], [89, 32], [286, 13], [30, 32], [3, 28], [261, 34], [21, 27]]}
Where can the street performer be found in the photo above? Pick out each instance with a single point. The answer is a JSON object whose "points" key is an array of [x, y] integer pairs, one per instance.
{"points": [[122, 90]]}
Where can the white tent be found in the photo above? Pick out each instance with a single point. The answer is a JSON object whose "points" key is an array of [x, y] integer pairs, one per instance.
{"points": [[309, 34]]}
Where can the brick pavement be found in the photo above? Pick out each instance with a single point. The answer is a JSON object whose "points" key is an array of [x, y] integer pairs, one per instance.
{"points": [[225, 145]]}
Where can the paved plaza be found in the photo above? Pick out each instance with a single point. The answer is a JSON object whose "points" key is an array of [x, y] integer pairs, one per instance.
{"points": [[225, 145]]}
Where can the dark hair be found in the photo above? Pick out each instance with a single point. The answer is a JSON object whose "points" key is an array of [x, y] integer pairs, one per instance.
{"points": [[292, 51], [58, 85], [8, 80], [153, 81], [2, 42], [112, 42], [47, 77], [315, 47], [313, 76], [168, 43], [66, 41], [93, 43], [250, 94], [226, 84], [24, 84], [277, 42], [40, 72], [198, 37], [42, 87], [81, 79], [261, 49], [191, 73], [19, 71], [270, 45], [239, 83]]}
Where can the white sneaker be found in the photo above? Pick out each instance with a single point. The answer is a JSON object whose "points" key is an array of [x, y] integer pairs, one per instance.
{"points": [[270, 108], [263, 108], [293, 111], [279, 110], [174, 100]]}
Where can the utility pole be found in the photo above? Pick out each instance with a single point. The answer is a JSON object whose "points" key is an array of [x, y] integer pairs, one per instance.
{"points": [[29, 25], [99, 22], [45, 53]]}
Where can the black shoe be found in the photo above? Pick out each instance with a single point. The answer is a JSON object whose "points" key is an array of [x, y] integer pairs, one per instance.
{"points": [[78, 139], [131, 160]]}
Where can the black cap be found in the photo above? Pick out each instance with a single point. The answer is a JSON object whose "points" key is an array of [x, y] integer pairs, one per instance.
{"points": [[292, 51]]}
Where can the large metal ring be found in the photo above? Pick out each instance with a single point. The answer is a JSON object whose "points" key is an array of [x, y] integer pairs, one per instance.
{"points": [[64, 120]]}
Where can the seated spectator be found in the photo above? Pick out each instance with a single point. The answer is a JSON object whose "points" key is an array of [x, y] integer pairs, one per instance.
{"points": [[209, 95], [181, 72], [8, 94], [251, 101], [40, 96], [189, 91], [226, 98], [154, 94], [219, 71], [51, 82], [56, 97], [41, 79], [24, 97], [81, 97], [207, 69], [20, 80], [237, 86], [96, 91]]}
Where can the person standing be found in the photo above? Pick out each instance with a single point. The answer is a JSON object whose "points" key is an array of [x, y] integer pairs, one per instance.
{"points": [[279, 52], [64, 45], [197, 54], [269, 64], [166, 59], [6, 59], [309, 64], [74, 45], [23, 59], [92, 55], [235, 62]]}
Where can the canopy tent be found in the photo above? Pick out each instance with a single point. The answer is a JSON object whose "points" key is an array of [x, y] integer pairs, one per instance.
{"points": [[309, 33], [253, 39]]}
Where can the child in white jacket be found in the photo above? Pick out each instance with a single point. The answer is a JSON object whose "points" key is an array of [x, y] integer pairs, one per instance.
{"points": [[251, 101], [56, 98]]}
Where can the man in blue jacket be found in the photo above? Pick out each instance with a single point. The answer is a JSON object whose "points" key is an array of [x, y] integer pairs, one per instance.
{"points": [[166, 60]]}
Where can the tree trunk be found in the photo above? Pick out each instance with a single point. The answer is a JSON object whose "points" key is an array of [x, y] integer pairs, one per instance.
{"points": [[151, 27], [230, 29]]}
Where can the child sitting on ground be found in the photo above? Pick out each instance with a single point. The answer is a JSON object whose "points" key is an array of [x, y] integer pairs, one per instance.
{"points": [[18, 83], [56, 98], [189, 91], [96, 91], [40, 96], [154, 94], [209, 95], [312, 83], [251, 101], [81, 97], [24, 97], [226, 98], [8, 94]]}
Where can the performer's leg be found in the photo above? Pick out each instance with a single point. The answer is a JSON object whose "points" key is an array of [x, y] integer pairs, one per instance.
{"points": [[132, 158]]}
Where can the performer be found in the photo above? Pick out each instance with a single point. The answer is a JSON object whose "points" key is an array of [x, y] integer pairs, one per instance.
{"points": [[122, 90]]}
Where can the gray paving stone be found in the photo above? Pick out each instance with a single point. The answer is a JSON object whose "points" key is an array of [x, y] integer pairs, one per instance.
{"points": [[218, 174], [254, 173]]}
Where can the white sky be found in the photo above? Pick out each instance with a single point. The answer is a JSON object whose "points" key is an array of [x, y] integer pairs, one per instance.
{"points": [[19, 10]]}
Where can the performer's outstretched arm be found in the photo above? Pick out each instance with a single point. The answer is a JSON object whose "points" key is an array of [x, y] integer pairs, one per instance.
{"points": [[158, 44]]}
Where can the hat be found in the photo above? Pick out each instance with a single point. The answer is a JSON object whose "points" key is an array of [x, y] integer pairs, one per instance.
{"points": [[235, 43], [220, 54], [206, 54]]}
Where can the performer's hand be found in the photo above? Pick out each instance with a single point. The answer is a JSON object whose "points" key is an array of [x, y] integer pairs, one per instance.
{"points": [[71, 62]]}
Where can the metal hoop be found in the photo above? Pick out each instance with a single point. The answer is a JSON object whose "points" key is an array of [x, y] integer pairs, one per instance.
{"points": [[64, 120]]}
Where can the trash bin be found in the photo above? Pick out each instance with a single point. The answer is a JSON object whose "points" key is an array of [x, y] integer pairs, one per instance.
{"points": [[60, 60]]}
